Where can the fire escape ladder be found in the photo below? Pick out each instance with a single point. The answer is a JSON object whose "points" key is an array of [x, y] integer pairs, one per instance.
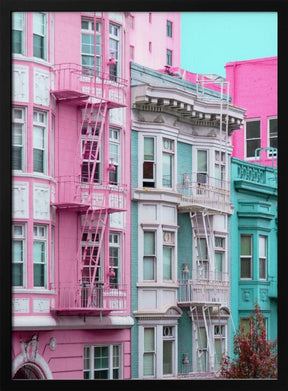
{"points": [[197, 336], [196, 234], [209, 236], [208, 326], [94, 262]]}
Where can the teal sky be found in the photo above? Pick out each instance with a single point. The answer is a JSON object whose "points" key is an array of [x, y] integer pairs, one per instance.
{"points": [[211, 39]]}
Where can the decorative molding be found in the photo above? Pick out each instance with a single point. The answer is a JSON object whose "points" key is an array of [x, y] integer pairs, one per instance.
{"points": [[20, 305], [20, 85], [41, 201], [41, 87], [41, 305], [20, 200]]}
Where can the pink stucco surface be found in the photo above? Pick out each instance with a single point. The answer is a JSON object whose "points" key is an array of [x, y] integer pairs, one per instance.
{"points": [[253, 86]]}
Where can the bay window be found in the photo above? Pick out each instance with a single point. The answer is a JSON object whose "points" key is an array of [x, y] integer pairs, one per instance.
{"points": [[167, 162], [262, 257], [202, 166]]}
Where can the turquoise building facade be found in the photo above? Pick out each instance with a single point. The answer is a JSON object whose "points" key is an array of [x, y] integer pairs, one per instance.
{"points": [[254, 243]]}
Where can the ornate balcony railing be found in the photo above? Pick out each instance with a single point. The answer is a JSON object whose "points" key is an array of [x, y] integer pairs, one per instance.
{"points": [[72, 81], [206, 287], [103, 297], [202, 190], [71, 192]]}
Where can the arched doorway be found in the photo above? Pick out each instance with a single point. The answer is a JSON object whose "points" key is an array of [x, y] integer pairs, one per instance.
{"points": [[29, 371]]}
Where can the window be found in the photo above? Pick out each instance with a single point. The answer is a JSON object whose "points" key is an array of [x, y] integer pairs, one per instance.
{"points": [[90, 248], [114, 45], [273, 133], [150, 17], [150, 47], [149, 352], [219, 258], [91, 164], [18, 139], [103, 362], [168, 349], [252, 137], [220, 165], [114, 156], [202, 166], [149, 162], [18, 32], [114, 257], [202, 356], [262, 257], [219, 344], [18, 254], [39, 35], [169, 28], [131, 21], [149, 256], [39, 142], [169, 57], [246, 256], [40, 255], [203, 261], [168, 246], [88, 47], [167, 162]]}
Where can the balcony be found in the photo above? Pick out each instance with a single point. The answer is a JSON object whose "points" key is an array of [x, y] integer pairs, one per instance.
{"points": [[104, 298], [205, 288], [73, 193], [200, 191], [74, 83]]}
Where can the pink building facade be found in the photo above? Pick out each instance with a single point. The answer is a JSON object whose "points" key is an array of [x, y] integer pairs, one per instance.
{"points": [[71, 310], [253, 85]]}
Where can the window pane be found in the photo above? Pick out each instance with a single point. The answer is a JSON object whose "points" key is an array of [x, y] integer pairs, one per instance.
{"points": [[17, 250], [262, 268], [17, 20], [167, 263], [251, 146], [148, 170], [39, 252], [149, 243], [148, 268], [273, 127], [148, 339], [38, 160], [218, 352], [167, 170], [167, 357], [202, 338], [17, 274], [202, 248], [246, 268], [246, 245], [39, 279], [148, 148], [38, 137], [38, 23], [252, 129], [148, 364], [16, 158], [38, 46], [262, 246], [16, 41], [202, 161]]}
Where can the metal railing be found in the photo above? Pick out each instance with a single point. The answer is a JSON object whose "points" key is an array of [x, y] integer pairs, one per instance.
{"points": [[71, 190], [90, 81], [200, 188], [102, 297]]}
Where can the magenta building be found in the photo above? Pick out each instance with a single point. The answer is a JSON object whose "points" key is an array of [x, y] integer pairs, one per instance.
{"points": [[71, 304], [253, 85]]}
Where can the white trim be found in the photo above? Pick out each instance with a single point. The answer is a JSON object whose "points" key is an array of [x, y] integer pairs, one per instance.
{"points": [[39, 360]]}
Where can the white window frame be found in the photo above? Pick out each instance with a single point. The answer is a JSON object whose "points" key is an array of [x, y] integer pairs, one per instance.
{"points": [[23, 239], [115, 139], [270, 153], [42, 238], [169, 28], [115, 244], [22, 122], [220, 162], [169, 242], [221, 249], [169, 57], [169, 336], [170, 152], [154, 256], [150, 352], [43, 124], [148, 180], [43, 35], [263, 257], [247, 257], [222, 336], [91, 360], [90, 32], [258, 138], [23, 32], [116, 55]]}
